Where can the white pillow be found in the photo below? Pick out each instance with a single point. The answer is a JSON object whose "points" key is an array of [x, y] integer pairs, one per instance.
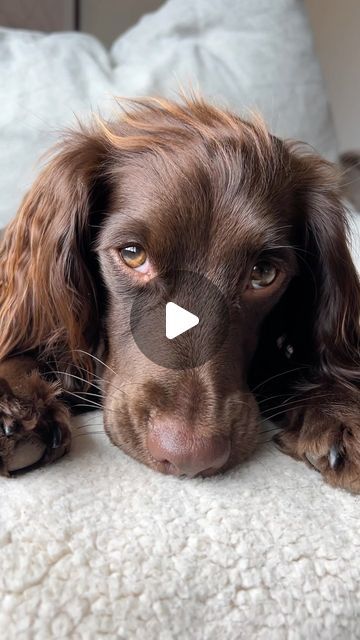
{"points": [[242, 53]]}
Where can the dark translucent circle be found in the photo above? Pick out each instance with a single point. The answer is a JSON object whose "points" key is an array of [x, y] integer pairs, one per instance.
{"points": [[193, 292]]}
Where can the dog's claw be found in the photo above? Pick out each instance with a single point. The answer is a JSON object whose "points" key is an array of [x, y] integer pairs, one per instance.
{"points": [[8, 429], [335, 457], [56, 437]]}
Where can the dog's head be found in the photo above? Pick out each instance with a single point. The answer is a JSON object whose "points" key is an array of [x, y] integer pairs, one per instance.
{"points": [[128, 209]]}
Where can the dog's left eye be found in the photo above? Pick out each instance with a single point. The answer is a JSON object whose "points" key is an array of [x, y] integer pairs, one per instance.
{"points": [[263, 274], [134, 257]]}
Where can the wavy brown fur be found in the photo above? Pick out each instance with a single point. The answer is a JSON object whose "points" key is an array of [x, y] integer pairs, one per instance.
{"points": [[198, 177]]}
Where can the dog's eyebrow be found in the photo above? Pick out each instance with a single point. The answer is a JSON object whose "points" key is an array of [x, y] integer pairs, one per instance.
{"points": [[257, 237], [275, 245], [284, 254], [282, 251], [116, 233]]}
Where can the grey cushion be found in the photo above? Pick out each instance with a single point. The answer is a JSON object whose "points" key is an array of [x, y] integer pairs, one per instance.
{"points": [[248, 53]]}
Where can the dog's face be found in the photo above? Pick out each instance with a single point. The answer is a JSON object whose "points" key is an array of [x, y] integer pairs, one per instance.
{"points": [[201, 210], [126, 211]]}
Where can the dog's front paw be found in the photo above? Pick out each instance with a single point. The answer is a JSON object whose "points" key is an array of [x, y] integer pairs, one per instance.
{"points": [[329, 444], [34, 427]]}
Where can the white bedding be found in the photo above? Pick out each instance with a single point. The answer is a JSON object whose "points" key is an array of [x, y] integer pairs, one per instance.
{"points": [[248, 53], [101, 546], [98, 545]]}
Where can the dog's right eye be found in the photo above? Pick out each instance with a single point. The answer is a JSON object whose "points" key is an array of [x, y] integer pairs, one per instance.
{"points": [[263, 275], [134, 257]]}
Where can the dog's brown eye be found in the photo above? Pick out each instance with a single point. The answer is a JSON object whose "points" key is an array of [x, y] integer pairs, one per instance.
{"points": [[263, 274], [133, 256]]}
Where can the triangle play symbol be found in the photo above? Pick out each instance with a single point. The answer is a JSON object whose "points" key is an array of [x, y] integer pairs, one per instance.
{"points": [[178, 320]]}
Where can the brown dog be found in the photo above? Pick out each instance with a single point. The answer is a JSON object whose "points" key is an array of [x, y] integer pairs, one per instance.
{"points": [[165, 189]]}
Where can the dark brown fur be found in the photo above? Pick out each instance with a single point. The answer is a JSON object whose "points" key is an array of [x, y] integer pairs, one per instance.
{"points": [[204, 191]]}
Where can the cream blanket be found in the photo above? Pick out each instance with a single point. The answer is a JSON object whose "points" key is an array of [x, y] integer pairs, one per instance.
{"points": [[99, 546]]}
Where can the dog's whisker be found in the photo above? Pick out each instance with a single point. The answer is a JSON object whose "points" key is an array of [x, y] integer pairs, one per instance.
{"points": [[97, 360], [350, 182], [283, 405], [290, 403], [278, 395], [348, 169], [268, 441], [278, 375], [91, 374], [86, 382], [91, 424], [73, 375], [88, 424], [90, 403], [98, 378], [89, 433], [87, 406], [269, 436], [283, 411], [268, 431], [96, 395]]}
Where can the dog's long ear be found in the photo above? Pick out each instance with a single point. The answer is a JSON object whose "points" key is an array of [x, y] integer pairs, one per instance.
{"points": [[331, 288], [47, 296]]}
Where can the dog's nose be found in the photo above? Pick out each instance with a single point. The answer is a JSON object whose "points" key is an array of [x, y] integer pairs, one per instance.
{"points": [[186, 453]]}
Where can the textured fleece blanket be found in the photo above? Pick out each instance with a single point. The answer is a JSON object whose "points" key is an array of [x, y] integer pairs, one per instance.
{"points": [[100, 546]]}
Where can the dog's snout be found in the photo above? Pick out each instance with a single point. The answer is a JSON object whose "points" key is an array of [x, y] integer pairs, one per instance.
{"points": [[185, 453]]}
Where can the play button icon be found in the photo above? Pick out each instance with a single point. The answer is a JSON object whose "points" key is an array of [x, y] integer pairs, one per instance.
{"points": [[178, 320]]}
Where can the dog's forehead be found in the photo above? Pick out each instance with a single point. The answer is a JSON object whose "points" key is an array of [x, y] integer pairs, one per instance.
{"points": [[191, 202]]}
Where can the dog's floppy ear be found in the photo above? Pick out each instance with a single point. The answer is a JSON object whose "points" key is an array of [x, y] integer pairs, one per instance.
{"points": [[47, 293], [331, 288]]}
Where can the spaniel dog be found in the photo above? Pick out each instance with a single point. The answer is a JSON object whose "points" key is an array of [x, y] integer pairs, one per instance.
{"points": [[124, 208]]}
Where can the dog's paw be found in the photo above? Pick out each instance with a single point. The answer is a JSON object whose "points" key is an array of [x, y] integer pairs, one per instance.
{"points": [[328, 445], [34, 428]]}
